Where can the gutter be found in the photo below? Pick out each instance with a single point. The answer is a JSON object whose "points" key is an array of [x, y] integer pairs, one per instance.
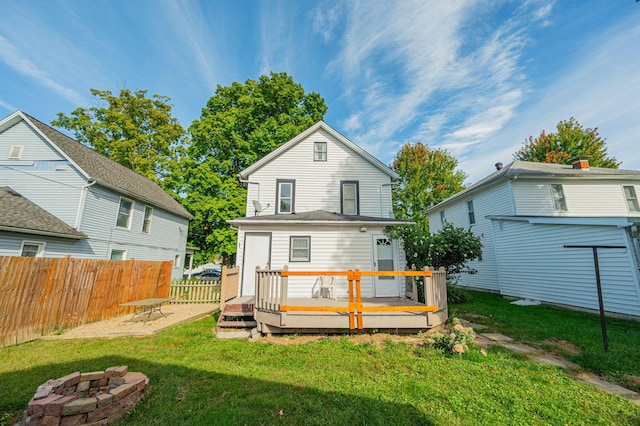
{"points": [[44, 233]]}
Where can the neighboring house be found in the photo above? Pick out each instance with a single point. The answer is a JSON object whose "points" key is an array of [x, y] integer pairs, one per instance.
{"points": [[319, 203], [59, 198], [528, 212]]}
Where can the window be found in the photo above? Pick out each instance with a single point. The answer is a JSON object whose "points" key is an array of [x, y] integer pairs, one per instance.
{"points": [[472, 215], [349, 198], [632, 199], [31, 249], [559, 202], [146, 223], [285, 196], [300, 249], [442, 218], [124, 213], [319, 151], [15, 153], [118, 254]]}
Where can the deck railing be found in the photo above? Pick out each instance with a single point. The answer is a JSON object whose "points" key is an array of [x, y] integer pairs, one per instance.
{"points": [[272, 287], [194, 291], [229, 279]]}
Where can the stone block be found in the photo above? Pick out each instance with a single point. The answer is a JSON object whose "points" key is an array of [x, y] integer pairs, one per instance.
{"points": [[55, 408], [70, 379], [83, 386], [43, 391], [119, 371], [78, 419], [78, 406], [36, 406], [105, 412], [49, 421], [139, 379], [93, 375], [122, 391], [131, 400], [99, 383], [56, 384], [116, 381], [104, 399]]}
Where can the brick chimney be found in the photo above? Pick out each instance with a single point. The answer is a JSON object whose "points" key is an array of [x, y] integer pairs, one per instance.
{"points": [[581, 163]]}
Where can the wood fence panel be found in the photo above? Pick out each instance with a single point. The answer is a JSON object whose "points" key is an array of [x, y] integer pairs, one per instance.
{"points": [[38, 296]]}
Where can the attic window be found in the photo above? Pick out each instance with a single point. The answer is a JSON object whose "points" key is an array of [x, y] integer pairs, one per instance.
{"points": [[319, 151], [16, 152], [632, 199], [559, 201]]}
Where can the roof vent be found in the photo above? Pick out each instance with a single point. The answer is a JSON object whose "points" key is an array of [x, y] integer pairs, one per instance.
{"points": [[16, 152], [581, 163], [498, 166]]}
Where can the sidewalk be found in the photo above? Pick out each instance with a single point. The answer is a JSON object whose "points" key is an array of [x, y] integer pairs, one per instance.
{"points": [[117, 327]]}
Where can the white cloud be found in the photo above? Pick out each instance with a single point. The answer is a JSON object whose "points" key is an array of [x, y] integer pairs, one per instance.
{"points": [[277, 32], [11, 56], [7, 106]]}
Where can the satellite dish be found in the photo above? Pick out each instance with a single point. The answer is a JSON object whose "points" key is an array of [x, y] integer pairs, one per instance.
{"points": [[257, 206]]}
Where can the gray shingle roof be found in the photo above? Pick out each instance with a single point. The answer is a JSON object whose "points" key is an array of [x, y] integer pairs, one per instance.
{"points": [[108, 172], [21, 215], [530, 169], [317, 217]]}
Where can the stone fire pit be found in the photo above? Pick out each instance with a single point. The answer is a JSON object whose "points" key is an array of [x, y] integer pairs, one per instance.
{"points": [[99, 397]]}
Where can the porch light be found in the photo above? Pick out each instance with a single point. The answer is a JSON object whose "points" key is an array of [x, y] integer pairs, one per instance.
{"points": [[363, 228]]}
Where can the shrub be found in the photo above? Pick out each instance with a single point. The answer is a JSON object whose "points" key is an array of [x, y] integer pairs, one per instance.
{"points": [[457, 340]]}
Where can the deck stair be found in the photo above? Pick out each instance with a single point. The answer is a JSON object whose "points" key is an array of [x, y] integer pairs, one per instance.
{"points": [[236, 316]]}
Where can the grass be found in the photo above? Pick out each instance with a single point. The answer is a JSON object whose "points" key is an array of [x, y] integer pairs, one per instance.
{"points": [[543, 326], [200, 380]]}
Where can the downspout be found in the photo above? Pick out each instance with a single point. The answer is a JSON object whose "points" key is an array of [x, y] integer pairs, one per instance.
{"points": [[81, 203]]}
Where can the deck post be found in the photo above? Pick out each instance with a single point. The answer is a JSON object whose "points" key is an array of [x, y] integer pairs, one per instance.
{"points": [[358, 277], [350, 278], [284, 287], [258, 290]]}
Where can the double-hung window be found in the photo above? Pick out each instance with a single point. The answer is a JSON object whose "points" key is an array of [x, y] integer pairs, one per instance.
{"points": [[559, 202], [285, 201], [349, 202], [319, 151], [146, 222], [124, 213], [32, 249], [471, 212], [632, 199], [300, 249]]}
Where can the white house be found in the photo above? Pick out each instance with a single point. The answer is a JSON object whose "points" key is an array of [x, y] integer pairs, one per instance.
{"points": [[319, 202], [527, 213], [59, 198]]}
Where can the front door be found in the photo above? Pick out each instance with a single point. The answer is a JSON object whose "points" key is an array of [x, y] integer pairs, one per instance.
{"points": [[257, 252], [384, 259]]}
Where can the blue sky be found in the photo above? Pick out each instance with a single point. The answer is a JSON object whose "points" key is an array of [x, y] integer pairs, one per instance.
{"points": [[474, 77]]}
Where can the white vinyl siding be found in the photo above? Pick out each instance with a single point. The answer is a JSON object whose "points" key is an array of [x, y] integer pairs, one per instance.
{"points": [[632, 199], [317, 184], [124, 213], [300, 249]]}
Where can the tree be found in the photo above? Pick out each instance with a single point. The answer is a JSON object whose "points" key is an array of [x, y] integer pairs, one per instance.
{"points": [[136, 131], [570, 141], [240, 124], [426, 178]]}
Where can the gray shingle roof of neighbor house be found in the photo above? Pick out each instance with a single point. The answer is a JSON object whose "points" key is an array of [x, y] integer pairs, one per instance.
{"points": [[533, 170], [317, 217], [109, 173], [21, 215]]}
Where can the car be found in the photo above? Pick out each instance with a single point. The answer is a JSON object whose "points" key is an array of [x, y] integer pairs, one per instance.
{"points": [[210, 275]]}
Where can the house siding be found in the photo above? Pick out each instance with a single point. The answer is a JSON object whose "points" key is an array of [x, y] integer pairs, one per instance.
{"points": [[11, 245], [317, 183], [494, 200], [534, 264]]}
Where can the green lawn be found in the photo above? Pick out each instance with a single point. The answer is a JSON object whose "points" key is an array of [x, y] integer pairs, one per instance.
{"points": [[199, 380]]}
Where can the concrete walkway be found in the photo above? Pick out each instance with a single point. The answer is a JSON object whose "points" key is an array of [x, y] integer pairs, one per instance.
{"points": [[122, 326], [489, 339]]}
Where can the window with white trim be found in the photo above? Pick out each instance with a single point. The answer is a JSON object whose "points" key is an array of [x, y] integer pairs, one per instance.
{"points": [[32, 249], [300, 249], [632, 199], [124, 213], [118, 255], [349, 203], [146, 222], [559, 201], [471, 212], [285, 201], [319, 151]]}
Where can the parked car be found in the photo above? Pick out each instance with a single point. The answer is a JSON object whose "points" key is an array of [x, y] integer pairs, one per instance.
{"points": [[211, 275]]}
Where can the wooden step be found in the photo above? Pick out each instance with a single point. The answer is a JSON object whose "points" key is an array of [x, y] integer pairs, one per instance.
{"points": [[237, 324], [234, 307], [237, 314]]}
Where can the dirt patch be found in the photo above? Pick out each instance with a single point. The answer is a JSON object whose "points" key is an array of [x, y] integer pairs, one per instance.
{"points": [[378, 339], [563, 345]]}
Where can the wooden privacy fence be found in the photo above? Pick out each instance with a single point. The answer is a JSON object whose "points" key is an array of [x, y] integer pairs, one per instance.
{"points": [[40, 295]]}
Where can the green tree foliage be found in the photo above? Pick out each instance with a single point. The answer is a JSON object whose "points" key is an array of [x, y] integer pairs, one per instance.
{"points": [[571, 140], [134, 130], [427, 177], [450, 247], [240, 124]]}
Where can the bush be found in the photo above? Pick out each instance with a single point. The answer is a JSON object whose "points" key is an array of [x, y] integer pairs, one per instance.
{"points": [[457, 340]]}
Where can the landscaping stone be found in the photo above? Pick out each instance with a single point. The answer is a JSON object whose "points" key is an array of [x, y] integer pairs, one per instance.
{"points": [[497, 337]]}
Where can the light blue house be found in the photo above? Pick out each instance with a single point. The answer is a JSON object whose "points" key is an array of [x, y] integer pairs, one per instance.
{"points": [[59, 198]]}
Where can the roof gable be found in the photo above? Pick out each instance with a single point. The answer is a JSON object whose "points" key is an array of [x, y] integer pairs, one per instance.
{"points": [[100, 168], [302, 136]]}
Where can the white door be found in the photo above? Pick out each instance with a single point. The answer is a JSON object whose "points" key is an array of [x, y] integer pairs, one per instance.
{"points": [[257, 252], [384, 259]]}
